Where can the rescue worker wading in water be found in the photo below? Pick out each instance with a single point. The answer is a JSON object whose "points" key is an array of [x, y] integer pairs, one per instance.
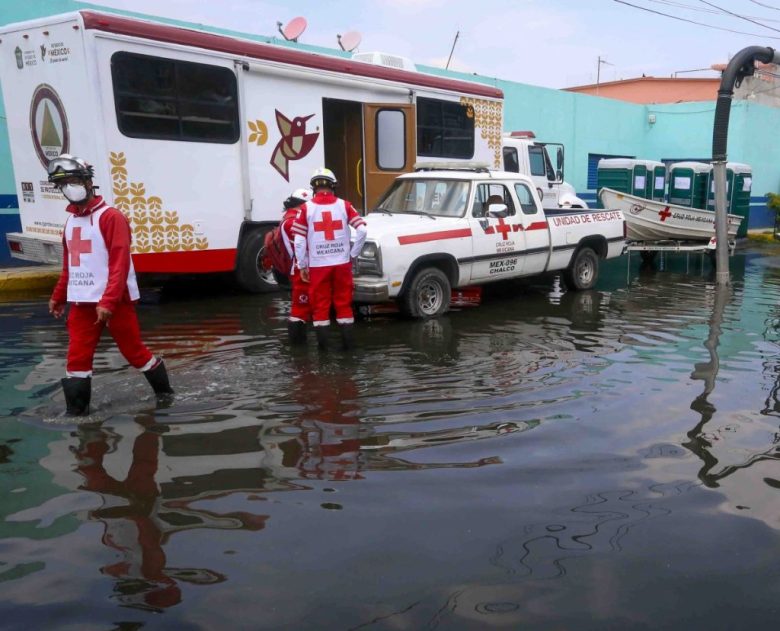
{"points": [[98, 280], [324, 255], [300, 311]]}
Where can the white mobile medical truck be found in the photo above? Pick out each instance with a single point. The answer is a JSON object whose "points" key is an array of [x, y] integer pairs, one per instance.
{"points": [[198, 137]]}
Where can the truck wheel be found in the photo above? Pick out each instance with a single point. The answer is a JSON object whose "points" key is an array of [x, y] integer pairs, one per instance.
{"points": [[249, 270], [428, 295], [583, 272]]}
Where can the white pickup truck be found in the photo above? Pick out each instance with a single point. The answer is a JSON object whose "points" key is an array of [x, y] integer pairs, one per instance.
{"points": [[450, 226]]}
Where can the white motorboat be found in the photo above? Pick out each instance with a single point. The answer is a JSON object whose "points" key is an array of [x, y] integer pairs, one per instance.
{"points": [[649, 220]]}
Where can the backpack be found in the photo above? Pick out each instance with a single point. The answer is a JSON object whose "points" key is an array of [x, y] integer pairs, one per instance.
{"points": [[275, 253]]}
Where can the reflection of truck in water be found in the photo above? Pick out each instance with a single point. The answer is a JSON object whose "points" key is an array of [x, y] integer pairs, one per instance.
{"points": [[198, 137], [448, 226]]}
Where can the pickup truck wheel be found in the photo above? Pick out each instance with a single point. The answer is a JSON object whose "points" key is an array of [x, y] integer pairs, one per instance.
{"points": [[249, 269], [583, 272], [428, 295]]}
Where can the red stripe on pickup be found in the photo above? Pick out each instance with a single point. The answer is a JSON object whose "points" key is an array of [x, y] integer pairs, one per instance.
{"points": [[537, 225], [408, 239]]}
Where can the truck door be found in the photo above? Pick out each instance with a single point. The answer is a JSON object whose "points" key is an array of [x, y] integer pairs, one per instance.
{"points": [[498, 242], [535, 230], [390, 150]]}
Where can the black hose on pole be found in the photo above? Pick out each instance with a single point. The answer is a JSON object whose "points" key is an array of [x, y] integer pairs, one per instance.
{"points": [[741, 65]]}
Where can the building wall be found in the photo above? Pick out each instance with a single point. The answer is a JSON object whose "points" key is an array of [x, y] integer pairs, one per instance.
{"points": [[654, 90]]}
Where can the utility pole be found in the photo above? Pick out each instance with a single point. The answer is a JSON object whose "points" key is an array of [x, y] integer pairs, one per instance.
{"points": [[598, 72], [452, 50]]}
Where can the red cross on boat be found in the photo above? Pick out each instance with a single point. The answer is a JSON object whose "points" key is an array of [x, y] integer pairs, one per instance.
{"points": [[665, 213]]}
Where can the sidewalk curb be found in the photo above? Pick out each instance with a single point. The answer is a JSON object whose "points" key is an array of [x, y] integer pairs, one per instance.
{"points": [[28, 278]]}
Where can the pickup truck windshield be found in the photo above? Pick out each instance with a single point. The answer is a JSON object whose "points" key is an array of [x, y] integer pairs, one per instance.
{"points": [[442, 198]]}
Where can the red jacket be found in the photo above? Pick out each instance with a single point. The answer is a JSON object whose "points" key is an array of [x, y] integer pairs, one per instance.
{"points": [[117, 234]]}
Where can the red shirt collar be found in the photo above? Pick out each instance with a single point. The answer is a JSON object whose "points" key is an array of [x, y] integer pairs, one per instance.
{"points": [[324, 197], [81, 210]]}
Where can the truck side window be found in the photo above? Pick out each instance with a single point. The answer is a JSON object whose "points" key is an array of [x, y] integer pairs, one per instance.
{"points": [[491, 194], [510, 160], [169, 99], [526, 199], [536, 158]]}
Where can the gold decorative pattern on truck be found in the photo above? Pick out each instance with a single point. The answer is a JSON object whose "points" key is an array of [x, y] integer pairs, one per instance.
{"points": [[154, 229], [487, 117]]}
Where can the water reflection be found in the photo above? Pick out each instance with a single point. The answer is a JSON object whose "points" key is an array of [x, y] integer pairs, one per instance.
{"points": [[701, 442], [133, 518]]}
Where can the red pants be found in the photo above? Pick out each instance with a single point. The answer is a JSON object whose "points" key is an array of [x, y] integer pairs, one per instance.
{"points": [[85, 334], [331, 285], [301, 307]]}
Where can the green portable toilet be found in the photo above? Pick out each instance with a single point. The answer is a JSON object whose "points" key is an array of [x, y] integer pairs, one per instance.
{"points": [[689, 183], [740, 194], [729, 188], [626, 175], [656, 180]]}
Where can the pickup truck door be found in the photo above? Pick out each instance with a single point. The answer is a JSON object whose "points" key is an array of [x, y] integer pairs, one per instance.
{"points": [[498, 242], [535, 230]]}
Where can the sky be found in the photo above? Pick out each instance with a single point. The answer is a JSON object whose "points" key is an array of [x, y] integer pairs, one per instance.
{"points": [[550, 43]]}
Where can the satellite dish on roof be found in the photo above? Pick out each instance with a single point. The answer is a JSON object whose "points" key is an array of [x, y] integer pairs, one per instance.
{"points": [[293, 30], [349, 41]]}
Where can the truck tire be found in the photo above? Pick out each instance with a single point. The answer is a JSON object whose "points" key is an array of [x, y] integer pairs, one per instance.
{"points": [[428, 295], [249, 271], [583, 271]]}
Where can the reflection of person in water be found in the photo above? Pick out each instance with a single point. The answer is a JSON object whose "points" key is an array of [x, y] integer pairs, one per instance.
{"points": [[130, 529], [329, 436]]}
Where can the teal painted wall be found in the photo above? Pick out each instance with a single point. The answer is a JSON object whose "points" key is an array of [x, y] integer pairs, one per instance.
{"points": [[584, 124]]}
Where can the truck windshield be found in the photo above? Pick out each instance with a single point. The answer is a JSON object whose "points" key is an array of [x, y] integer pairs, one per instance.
{"points": [[441, 198]]}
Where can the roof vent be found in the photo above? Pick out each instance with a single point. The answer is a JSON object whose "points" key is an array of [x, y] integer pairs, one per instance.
{"points": [[385, 59]]}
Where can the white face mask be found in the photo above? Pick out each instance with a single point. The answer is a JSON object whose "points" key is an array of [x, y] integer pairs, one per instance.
{"points": [[74, 193]]}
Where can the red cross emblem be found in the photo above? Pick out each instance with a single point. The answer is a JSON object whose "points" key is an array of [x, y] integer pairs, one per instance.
{"points": [[664, 214], [77, 247], [503, 228], [328, 226]]}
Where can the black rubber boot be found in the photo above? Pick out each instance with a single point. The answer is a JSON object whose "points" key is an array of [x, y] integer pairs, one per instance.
{"points": [[296, 331], [322, 332], [158, 379], [78, 392], [347, 336]]}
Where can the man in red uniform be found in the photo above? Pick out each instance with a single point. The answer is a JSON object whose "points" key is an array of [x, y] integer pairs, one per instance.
{"points": [[324, 255], [300, 312], [98, 280]]}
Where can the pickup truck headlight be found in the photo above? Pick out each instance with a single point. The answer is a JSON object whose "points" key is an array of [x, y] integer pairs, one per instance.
{"points": [[369, 261]]}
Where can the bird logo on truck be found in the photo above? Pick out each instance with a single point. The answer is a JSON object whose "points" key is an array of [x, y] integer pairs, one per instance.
{"points": [[295, 143], [48, 124]]}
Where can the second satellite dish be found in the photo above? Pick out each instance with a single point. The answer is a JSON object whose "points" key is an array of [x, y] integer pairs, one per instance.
{"points": [[293, 30], [349, 41]]}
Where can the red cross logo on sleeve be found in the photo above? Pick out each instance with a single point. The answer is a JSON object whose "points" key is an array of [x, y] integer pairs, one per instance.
{"points": [[328, 226], [664, 214], [77, 247]]}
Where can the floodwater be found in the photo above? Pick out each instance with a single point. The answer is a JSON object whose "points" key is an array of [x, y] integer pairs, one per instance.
{"points": [[549, 460]]}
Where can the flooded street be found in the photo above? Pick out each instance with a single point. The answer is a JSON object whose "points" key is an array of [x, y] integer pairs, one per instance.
{"points": [[595, 460]]}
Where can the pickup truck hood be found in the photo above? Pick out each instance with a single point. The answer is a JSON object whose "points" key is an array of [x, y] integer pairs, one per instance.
{"points": [[381, 226]]}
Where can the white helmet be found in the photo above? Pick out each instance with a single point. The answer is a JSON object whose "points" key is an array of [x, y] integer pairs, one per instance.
{"points": [[297, 197], [323, 177], [66, 165]]}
